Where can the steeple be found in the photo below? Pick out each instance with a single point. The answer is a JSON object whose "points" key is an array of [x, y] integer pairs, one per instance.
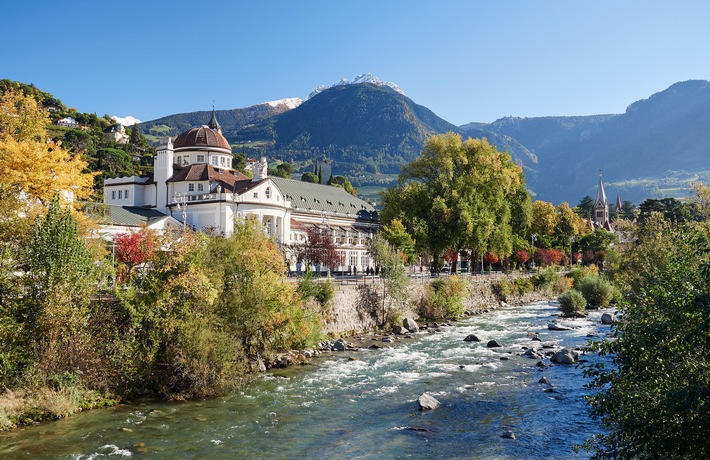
{"points": [[214, 124], [601, 207]]}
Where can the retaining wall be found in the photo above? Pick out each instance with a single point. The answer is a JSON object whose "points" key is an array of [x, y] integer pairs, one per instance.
{"points": [[347, 314]]}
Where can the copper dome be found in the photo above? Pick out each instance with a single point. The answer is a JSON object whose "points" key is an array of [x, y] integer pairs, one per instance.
{"points": [[202, 136]]}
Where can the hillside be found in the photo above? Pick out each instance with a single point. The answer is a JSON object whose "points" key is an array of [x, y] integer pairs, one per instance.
{"points": [[231, 120], [654, 149]]}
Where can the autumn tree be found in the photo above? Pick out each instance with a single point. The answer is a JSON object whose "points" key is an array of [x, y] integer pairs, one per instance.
{"points": [[699, 201], [134, 249], [318, 248], [394, 277], [457, 194], [543, 222], [29, 164]]}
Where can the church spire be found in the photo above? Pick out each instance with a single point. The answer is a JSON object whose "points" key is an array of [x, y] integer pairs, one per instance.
{"points": [[214, 124], [601, 196]]}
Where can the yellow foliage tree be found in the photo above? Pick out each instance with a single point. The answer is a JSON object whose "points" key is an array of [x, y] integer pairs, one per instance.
{"points": [[29, 165]]}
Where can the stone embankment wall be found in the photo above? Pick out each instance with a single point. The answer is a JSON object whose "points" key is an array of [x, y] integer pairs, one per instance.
{"points": [[347, 312]]}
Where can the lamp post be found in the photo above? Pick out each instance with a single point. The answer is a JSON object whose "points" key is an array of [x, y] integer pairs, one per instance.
{"points": [[181, 200], [533, 238]]}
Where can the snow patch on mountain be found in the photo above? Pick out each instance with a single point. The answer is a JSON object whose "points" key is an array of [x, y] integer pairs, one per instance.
{"points": [[291, 102], [126, 121], [363, 78]]}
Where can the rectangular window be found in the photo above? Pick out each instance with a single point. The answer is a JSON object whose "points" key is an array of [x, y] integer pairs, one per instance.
{"points": [[190, 187], [256, 195], [200, 187], [120, 194], [125, 194], [215, 161], [200, 158], [222, 161], [113, 194]]}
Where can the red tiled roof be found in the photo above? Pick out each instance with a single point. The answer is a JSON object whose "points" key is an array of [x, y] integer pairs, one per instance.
{"points": [[204, 171], [202, 136]]}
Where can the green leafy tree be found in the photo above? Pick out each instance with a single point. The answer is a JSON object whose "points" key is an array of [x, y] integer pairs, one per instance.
{"points": [[257, 305], [396, 235], [309, 177], [585, 208], [136, 137], [394, 276], [457, 194], [59, 279], [342, 181], [654, 400]]}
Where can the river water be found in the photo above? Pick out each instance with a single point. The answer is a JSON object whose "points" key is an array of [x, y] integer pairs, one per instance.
{"points": [[364, 407]]}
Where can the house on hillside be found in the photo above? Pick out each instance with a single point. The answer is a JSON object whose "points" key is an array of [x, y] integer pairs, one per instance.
{"points": [[117, 133], [68, 122], [194, 182]]}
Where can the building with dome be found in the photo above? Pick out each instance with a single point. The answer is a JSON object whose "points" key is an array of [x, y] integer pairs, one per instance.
{"points": [[194, 182]]}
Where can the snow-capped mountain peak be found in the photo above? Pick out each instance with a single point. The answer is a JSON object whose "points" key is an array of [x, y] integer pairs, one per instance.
{"points": [[291, 102], [363, 78], [126, 121]]}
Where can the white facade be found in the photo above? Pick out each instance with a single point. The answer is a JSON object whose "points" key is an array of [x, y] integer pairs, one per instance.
{"points": [[194, 182]]}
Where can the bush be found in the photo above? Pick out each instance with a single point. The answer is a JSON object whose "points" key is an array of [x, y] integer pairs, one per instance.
{"points": [[596, 290], [523, 285], [445, 299], [502, 289], [572, 302], [577, 274], [563, 284], [546, 279], [322, 292]]}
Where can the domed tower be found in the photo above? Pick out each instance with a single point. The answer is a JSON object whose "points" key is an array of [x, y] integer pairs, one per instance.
{"points": [[204, 144]]}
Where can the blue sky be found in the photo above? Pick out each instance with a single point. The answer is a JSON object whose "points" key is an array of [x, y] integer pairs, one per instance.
{"points": [[466, 60]]}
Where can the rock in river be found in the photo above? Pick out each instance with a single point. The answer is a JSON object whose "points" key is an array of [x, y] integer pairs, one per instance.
{"points": [[564, 356], [472, 338], [427, 402], [410, 325]]}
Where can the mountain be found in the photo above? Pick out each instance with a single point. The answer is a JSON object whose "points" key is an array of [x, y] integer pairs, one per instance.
{"points": [[365, 128], [231, 120], [654, 149], [363, 78]]}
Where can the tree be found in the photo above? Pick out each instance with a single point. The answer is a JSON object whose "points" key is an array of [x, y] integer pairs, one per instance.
{"points": [[396, 235], [342, 181], [21, 118], [585, 208], [521, 257], [671, 208], [654, 400], [628, 211], [59, 279], [699, 201], [543, 222], [394, 276], [309, 177], [134, 249], [257, 305], [30, 165], [318, 248], [136, 137], [457, 194]]}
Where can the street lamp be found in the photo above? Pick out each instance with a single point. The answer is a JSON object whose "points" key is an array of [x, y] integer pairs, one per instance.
{"points": [[181, 200], [533, 238], [571, 254]]}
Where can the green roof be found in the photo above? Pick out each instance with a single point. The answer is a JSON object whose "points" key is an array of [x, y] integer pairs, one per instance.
{"points": [[130, 216], [317, 197]]}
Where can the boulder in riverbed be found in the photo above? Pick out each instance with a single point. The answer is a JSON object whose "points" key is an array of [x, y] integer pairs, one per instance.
{"points": [[472, 338], [427, 402], [564, 356], [608, 318], [410, 325], [557, 327], [493, 344]]}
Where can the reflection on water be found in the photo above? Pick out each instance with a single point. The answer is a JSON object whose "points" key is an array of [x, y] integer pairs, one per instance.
{"points": [[363, 408]]}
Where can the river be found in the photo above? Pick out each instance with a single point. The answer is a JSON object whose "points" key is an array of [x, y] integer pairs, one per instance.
{"points": [[362, 404]]}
